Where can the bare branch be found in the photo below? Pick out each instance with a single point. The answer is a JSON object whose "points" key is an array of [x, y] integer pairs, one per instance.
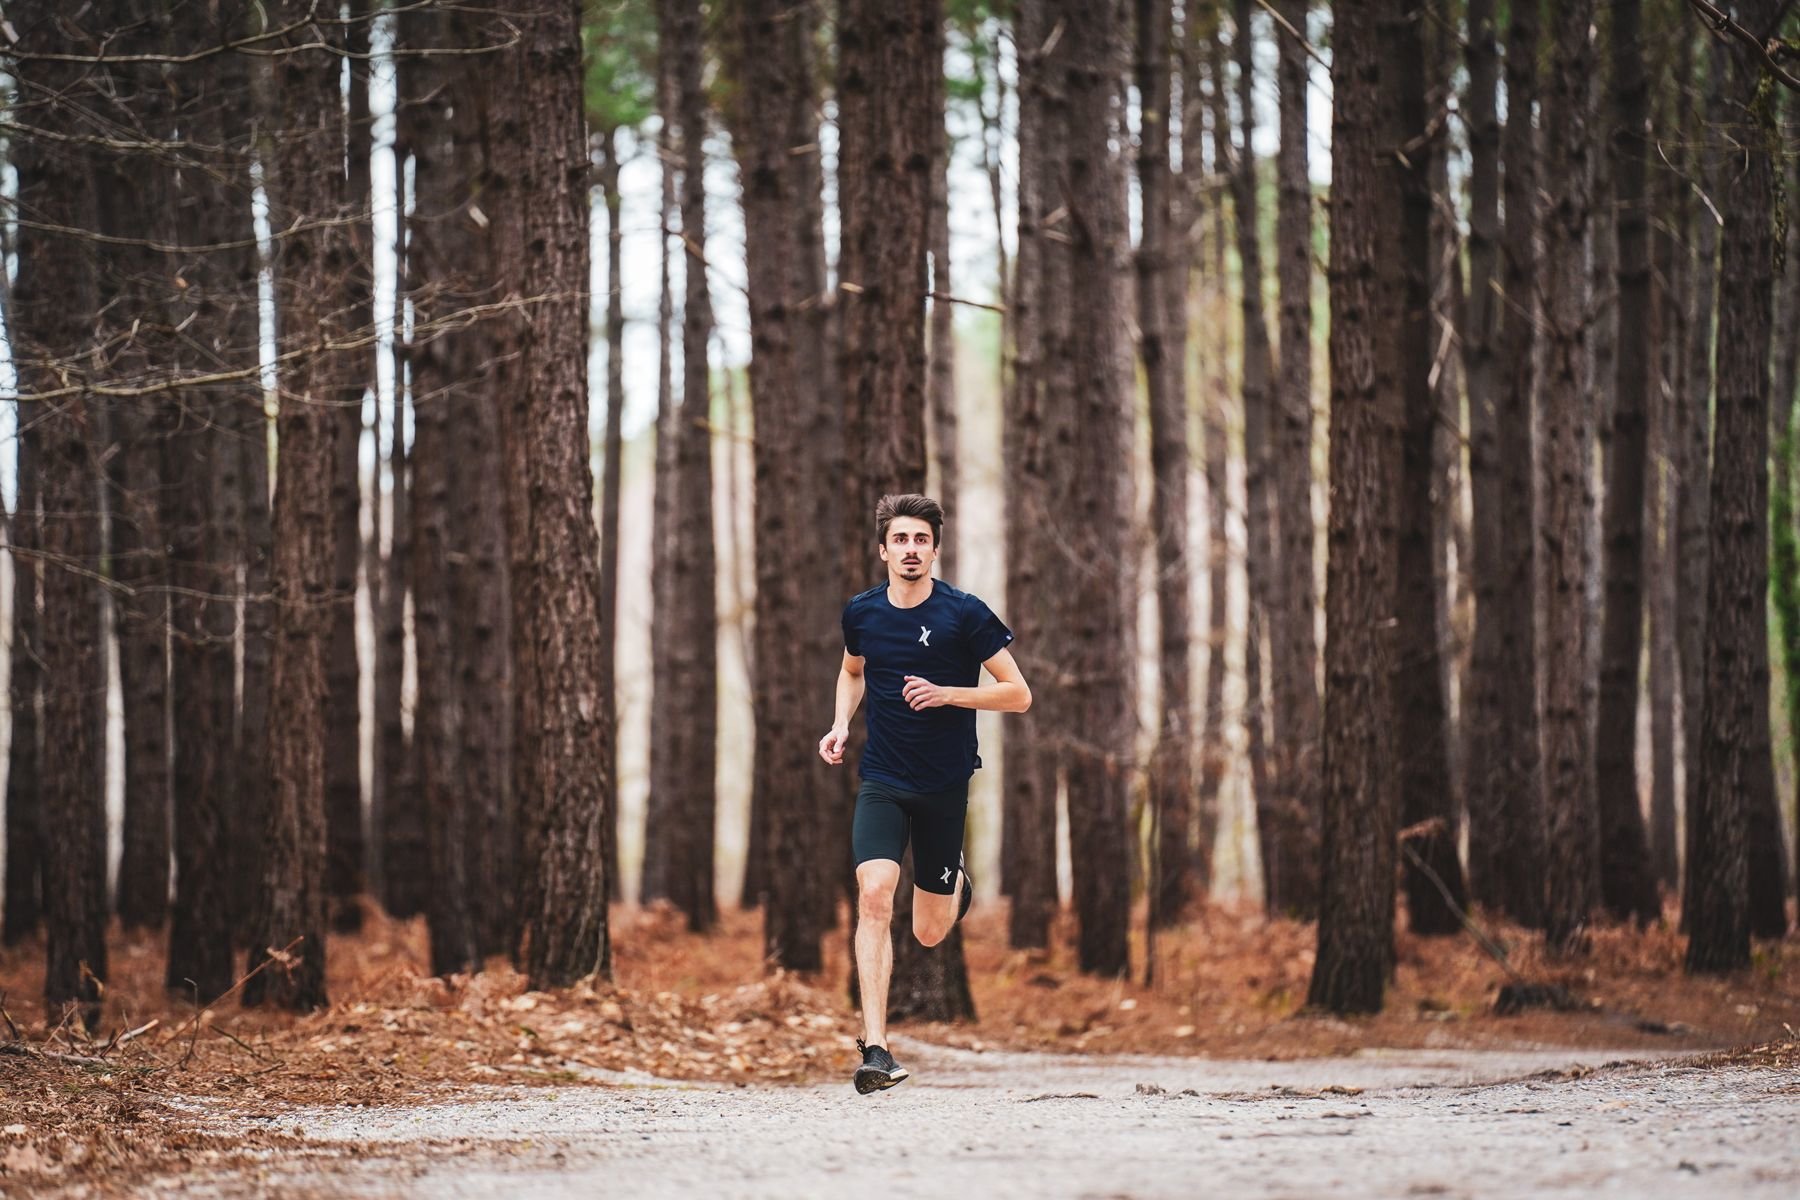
{"points": [[1721, 22]]}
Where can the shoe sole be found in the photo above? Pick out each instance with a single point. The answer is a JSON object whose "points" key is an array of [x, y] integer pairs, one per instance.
{"points": [[870, 1080]]}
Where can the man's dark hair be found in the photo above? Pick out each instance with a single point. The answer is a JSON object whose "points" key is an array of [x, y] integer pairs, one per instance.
{"points": [[909, 505]]}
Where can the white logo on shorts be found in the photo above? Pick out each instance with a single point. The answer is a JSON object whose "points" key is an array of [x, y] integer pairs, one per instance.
{"points": [[946, 874], [924, 636]]}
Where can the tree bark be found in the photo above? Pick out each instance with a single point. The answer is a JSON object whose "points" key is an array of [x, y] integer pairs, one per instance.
{"points": [[1734, 734], [611, 483], [306, 184], [560, 764], [1627, 887], [1356, 905], [343, 716], [1028, 819], [694, 670], [1511, 828], [1293, 645], [797, 641], [940, 361], [1433, 873], [1289, 846], [1784, 562], [1096, 732], [1572, 825], [53, 305], [1160, 314], [25, 697]]}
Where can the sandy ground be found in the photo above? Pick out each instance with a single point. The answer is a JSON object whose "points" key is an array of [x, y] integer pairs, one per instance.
{"points": [[1386, 1123]]}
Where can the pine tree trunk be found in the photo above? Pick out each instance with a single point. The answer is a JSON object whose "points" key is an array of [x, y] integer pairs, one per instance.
{"points": [[1433, 873], [54, 300], [560, 764], [888, 58], [659, 813], [1289, 845], [204, 520], [1293, 644], [1511, 828], [343, 718], [1627, 887], [610, 488], [695, 634], [1356, 902], [1784, 565], [940, 384], [1096, 731], [1661, 565], [305, 184], [25, 697], [1572, 825], [798, 643], [1028, 817], [1159, 318], [1734, 733]]}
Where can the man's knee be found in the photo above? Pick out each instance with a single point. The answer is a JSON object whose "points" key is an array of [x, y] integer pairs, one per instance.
{"points": [[930, 932], [874, 899]]}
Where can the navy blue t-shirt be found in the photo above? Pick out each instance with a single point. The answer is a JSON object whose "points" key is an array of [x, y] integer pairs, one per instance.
{"points": [[944, 640]]}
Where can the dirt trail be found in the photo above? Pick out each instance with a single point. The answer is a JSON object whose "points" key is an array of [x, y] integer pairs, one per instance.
{"points": [[1452, 1123]]}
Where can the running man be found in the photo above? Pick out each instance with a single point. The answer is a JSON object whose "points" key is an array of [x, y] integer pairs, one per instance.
{"points": [[917, 646]]}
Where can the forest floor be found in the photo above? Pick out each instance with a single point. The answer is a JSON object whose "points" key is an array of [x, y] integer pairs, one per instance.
{"points": [[412, 1085]]}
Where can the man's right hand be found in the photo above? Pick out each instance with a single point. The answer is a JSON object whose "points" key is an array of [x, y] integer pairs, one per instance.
{"points": [[831, 746]]}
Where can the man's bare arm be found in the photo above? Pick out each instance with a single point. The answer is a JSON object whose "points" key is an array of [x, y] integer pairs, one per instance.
{"points": [[850, 685], [1007, 692]]}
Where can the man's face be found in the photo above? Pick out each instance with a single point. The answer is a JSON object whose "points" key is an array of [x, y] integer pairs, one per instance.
{"points": [[909, 550]]}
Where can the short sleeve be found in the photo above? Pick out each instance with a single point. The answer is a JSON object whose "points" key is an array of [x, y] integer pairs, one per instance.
{"points": [[987, 634], [852, 635]]}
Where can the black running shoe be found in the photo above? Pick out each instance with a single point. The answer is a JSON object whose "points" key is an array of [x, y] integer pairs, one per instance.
{"points": [[878, 1071], [968, 889]]}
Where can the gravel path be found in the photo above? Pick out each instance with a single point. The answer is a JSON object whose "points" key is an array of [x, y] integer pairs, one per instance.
{"points": [[1450, 1123]]}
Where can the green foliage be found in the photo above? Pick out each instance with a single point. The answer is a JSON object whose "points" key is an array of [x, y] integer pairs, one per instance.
{"points": [[618, 39], [975, 27]]}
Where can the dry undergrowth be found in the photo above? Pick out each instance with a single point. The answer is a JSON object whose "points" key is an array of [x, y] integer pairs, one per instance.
{"points": [[104, 1111]]}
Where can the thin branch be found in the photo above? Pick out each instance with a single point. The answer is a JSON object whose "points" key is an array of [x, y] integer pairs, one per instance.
{"points": [[947, 298], [1721, 22], [1295, 34]]}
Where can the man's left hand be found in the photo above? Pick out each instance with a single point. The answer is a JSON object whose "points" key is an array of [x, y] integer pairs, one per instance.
{"points": [[921, 694]]}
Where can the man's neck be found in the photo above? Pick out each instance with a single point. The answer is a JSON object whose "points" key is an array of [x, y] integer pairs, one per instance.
{"points": [[908, 593]]}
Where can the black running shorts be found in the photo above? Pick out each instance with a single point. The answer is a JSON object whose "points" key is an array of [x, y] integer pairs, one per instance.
{"points": [[887, 816]]}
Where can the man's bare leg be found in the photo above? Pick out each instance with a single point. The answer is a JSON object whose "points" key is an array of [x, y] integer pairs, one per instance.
{"points": [[875, 884]]}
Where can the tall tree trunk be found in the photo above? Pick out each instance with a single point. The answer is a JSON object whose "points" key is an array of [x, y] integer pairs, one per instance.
{"points": [[1734, 733], [343, 717], [1028, 817], [1511, 828], [940, 383], [560, 744], [1661, 565], [1096, 731], [659, 815], [1293, 646], [1627, 887], [205, 524], [54, 302], [611, 484], [306, 185], [1356, 903], [889, 119], [1572, 825], [440, 246], [25, 694], [1694, 425], [1289, 846], [1433, 875], [797, 640], [1159, 315], [1784, 564], [1481, 729], [694, 674], [1215, 753]]}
